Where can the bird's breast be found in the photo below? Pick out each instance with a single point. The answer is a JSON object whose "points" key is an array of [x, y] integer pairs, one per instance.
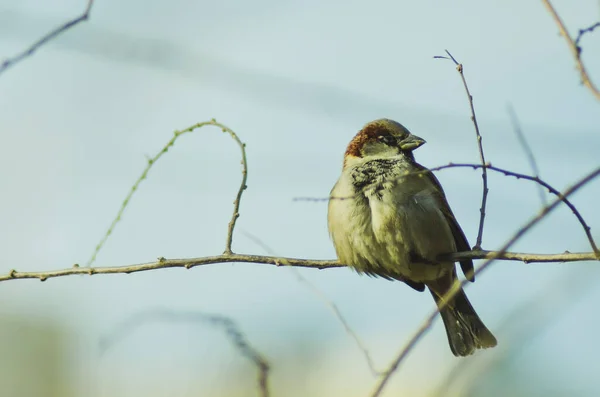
{"points": [[383, 221]]}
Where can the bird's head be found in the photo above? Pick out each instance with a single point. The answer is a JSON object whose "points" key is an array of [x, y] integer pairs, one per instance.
{"points": [[381, 138]]}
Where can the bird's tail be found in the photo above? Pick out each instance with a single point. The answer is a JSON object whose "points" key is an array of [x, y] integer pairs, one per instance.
{"points": [[466, 332]]}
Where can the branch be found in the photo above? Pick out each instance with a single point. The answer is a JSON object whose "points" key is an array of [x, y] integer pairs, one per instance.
{"points": [[188, 263], [458, 285], [527, 149], [582, 32], [325, 299], [522, 257], [48, 37], [574, 48], [231, 329], [460, 69], [238, 197], [153, 160]]}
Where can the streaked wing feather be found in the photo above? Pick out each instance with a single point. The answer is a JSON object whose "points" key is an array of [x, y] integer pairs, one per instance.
{"points": [[459, 236]]}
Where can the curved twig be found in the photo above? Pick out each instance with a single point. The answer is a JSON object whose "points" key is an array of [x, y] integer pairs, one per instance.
{"points": [[539, 181], [583, 31], [153, 160], [238, 197]]}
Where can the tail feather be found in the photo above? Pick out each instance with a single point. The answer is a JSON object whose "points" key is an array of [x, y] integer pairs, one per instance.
{"points": [[466, 332]]}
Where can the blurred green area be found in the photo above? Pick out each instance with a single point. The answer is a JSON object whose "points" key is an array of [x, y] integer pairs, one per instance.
{"points": [[33, 358], [35, 362]]}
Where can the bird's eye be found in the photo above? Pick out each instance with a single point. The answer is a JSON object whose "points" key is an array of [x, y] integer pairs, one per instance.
{"points": [[388, 140]]}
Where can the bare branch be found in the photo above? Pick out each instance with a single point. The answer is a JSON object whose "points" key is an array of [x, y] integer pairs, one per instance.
{"points": [[189, 263], [522, 257], [527, 149], [48, 37], [574, 48], [163, 263], [229, 326], [153, 160], [460, 69], [238, 197], [582, 32], [458, 285]]}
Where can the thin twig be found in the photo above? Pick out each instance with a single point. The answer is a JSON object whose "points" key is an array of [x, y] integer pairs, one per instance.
{"points": [[153, 160], [458, 285], [48, 37], [575, 50], [506, 172], [460, 69], [582, 32], [189, 263], [321, 295], [528, 151], [231, 329], [238, 197], [521, 257]]}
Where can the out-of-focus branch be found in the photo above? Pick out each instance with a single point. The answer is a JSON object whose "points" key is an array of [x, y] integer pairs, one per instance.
{"points": [[530, 318], [574, 48], [458, 285], [528, 151], [484, 195], [189, 263], [325, 299], [48, 37], [232, 330]]}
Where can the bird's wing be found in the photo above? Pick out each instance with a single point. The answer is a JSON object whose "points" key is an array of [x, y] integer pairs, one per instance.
{"points": [[459, 236]]}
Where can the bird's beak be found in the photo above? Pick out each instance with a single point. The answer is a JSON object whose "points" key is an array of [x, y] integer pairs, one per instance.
{"points": [[411, 142]]}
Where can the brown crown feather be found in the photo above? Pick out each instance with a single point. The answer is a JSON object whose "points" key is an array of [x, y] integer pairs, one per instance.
{"points": [[371, 131]]}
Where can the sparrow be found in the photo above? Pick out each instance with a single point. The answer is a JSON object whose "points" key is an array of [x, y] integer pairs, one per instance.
{"points": [[388, 217]]}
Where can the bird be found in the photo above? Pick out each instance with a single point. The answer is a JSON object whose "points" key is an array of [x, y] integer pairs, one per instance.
{"points": [[388, 217]]}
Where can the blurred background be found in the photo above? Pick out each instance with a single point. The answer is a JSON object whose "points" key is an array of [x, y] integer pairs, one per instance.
{"points": [[296, 80]]}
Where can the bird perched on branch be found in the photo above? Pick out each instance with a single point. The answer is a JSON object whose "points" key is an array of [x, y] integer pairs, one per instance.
{"points": [[388, 217]]}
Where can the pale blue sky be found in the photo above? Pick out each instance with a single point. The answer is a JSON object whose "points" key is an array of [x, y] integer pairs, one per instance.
{"points": [[295, 80]]}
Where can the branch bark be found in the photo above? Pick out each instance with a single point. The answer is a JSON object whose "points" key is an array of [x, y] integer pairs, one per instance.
{"points": [[574, 48], [485, 189], [320, 264]]}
